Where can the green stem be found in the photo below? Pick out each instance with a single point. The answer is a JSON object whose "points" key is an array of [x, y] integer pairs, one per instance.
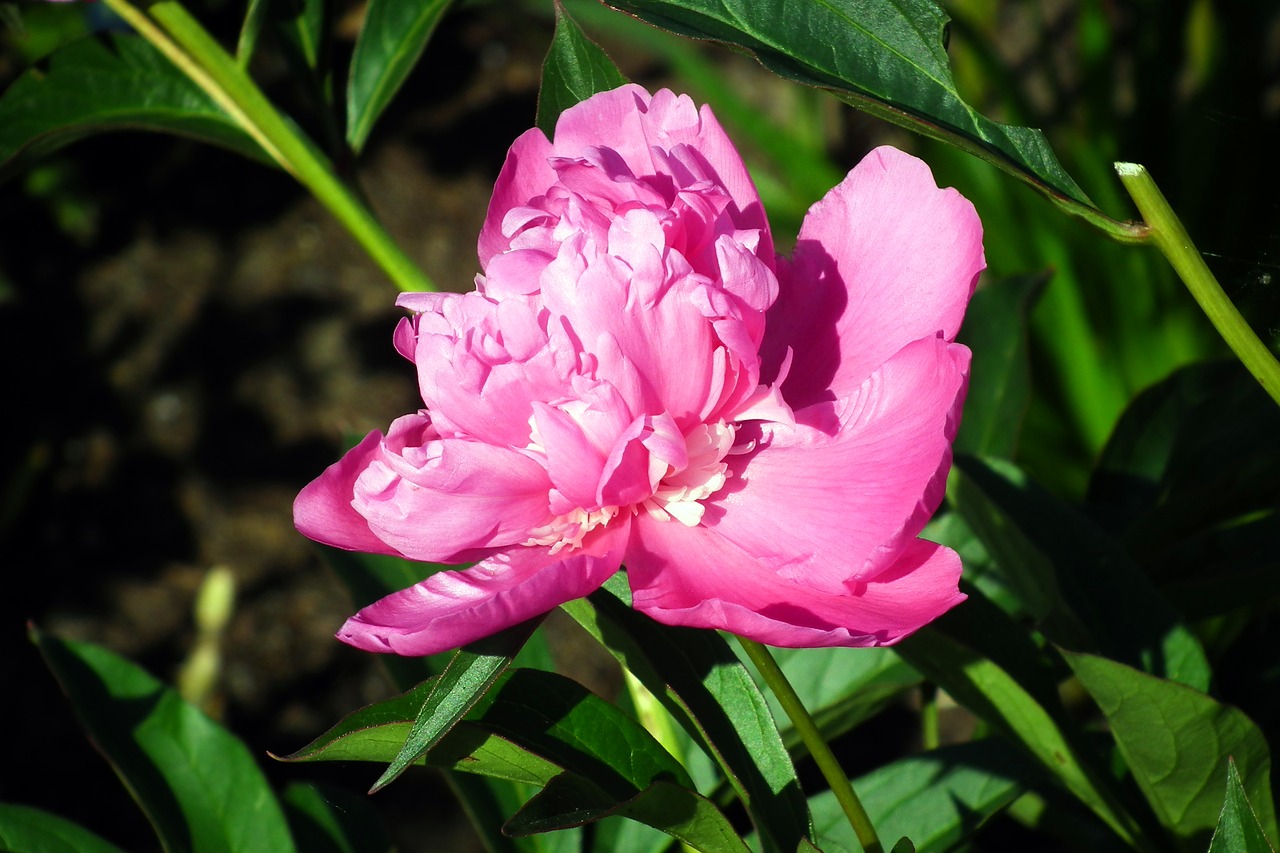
{"points": [[186, 43], [929, 735], [1174, 243], [815, 743]]}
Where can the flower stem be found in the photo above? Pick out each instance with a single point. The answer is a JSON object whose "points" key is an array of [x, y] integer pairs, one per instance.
{"points": [[1175, 244], [815, 743], [171, 30]]}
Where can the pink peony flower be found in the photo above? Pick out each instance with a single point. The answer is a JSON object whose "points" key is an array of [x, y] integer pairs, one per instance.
{"points": [[638, 380]]}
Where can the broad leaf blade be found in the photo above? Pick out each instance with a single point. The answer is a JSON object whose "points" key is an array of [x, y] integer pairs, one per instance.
{"points": [[699, 680], [1177, 741], [1238, 830], [575, 69], [27, 830], [882, 56], [392, 39], [937, 799], [197, 783], [469, 675], [99, 84]]}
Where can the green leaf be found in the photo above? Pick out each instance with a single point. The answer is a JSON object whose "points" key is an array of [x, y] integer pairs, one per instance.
{"points": [[469, 675], [333, 820], [114, 82], [197, 783], [300, 25], [570, 801], [575, 69], [1177, 741], [1072, 576], [995, 327], [839, 690], [937, 799], [1238, 830], [707, 690], [392, 39], [883, 56], [993, 695], [27, 830]]}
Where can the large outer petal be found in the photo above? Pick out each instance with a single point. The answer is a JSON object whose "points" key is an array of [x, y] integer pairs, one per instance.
{"points": [[838, 507], [884, 259], [693, 576], [451, 609], [448, 500], [323, 512]]}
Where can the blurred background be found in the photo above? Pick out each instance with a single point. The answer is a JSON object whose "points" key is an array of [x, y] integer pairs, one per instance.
{"points": [[187, 338]]}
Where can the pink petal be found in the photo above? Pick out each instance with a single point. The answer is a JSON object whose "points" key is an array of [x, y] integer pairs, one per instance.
{"points": [[525, 175], [692, 576], [884, 259], [837, 508], [446, 499], [451, 609], [323, 512]]}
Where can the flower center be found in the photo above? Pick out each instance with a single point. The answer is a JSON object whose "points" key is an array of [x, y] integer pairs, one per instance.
{"points": [[679, 494]]}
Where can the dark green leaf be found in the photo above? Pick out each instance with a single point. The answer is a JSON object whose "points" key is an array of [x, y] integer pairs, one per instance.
{"points": [[1238, 830], [904, 845], [300, 25], [995, 327], [575, 69], [707, 690], [882, 56], [937, 799], [196, 782], [392, 39], [333, 820], [1176, 741], [571, 801], [94, 85], [1072, 576], [27, 830], [469, 675], [993, 695]]}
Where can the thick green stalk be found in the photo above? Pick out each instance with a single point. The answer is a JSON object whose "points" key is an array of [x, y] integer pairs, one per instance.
{"points": [[1175, 244], [185, 42], [815, 743]]}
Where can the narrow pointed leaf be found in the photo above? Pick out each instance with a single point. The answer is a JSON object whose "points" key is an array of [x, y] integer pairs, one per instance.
{"points": [[570, 801], [197, 783], [883, 56], [575, 69], [1073, 576], [1238, 830], [1177, 742], [392, 39], [469, 675], [100, 84], [708, 691], [27, 830]]}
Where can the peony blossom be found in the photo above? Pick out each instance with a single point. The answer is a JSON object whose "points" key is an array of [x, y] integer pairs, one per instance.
{"points": [[639, 380]]}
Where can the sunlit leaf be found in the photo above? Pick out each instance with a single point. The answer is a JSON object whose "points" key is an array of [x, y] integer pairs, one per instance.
{"points": [[883, 56], [392, 39], [99, 84], [197, 783], [575, 69], [937, 799], [1177, 741], [708, 691]]}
